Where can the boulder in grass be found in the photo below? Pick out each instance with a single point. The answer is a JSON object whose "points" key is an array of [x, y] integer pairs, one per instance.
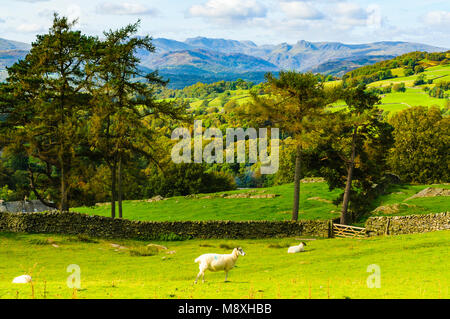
{"points": [[156, 198]]}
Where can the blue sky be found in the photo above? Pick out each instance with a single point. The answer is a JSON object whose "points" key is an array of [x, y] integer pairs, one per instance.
{"points": [[262, 21]]}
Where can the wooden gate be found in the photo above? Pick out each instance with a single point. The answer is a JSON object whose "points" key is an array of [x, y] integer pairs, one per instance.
{"points": [[348, 231]]}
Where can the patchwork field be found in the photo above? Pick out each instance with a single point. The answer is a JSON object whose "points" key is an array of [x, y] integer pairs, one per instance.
{"points": [[411, 266], [413, 95], [315, 203], [439, 73], [391, 102]]}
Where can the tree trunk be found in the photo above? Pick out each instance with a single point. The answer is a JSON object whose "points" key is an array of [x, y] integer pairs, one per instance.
{"points": [[345, 218], [62, 190], [36, 193], [297, 178], [113, 189], [119, 186], [63, 206]]}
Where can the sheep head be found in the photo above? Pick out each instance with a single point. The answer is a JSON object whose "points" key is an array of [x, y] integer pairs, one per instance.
{"points": [[239, 251]]}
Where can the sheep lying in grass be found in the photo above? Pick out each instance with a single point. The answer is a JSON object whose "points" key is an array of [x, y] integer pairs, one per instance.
{"points": [[297, 249], [24, 279], [217, 262]]}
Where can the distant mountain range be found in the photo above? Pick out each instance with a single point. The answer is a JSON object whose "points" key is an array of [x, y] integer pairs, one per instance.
{"points": [[10, 52], [208, 60]]}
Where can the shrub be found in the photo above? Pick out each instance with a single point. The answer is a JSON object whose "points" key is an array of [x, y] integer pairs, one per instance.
{"points": [[5, 193], [184, 179], [420, 80], [421, 143], [418, 69], [399, 87], [408, 72]]}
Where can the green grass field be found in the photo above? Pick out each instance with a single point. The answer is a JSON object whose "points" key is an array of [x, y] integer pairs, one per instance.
{"points": [[411, 266], [414, 95], [217, 208], [427, 205], [315, 203], [438, 73], [391, 102]]}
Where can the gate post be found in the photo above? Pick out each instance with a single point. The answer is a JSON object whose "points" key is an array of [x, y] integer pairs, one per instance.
{"points": [[330, 228]]}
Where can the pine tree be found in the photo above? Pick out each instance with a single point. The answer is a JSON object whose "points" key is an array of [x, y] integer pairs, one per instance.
{"points": [[354, 136], [123, 100], [46, 104]]}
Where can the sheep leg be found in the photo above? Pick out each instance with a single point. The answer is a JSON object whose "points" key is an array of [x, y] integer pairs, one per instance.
{"points": [[198, 276], [226, 275]]}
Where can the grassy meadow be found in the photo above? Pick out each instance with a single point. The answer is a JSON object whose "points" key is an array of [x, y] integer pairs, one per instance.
{"points": [[411, 266], [315, 203], [390, 102], [438, 73]]}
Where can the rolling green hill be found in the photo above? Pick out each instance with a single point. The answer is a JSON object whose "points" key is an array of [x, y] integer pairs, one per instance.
{"points": [[414, 94], [392, 101], [315, 203]]}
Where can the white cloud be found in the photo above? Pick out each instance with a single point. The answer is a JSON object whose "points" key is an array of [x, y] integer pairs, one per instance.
{"points": [[73, 12], [46, 13], [437, 18], [348, 15], [32, 1], [124, 8], [301, 10], [229, 10], [374, 18], [2, 21], [30, 27]]}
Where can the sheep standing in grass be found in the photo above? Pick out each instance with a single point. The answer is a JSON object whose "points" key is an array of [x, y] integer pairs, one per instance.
{"points": [[217, 262], [297, 249]]}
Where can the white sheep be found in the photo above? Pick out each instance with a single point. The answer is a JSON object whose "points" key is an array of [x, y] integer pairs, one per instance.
{"points": [[24, 279], [297, 249], [218, 262]]}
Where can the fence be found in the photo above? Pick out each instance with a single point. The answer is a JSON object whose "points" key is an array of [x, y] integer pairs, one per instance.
{"points": [[346, 231]]}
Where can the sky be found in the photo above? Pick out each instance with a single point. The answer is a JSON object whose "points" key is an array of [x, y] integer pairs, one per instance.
{"points": [[261, 21]]}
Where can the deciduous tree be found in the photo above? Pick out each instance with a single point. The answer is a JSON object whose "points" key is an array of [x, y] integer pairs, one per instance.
{"points": [[293, 102]]}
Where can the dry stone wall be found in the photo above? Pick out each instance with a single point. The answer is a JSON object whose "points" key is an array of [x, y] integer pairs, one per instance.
{"points": [[395, 225], [106, 227]]}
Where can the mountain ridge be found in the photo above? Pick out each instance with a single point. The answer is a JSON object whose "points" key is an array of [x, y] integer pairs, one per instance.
{"points": [[201, 57]]}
